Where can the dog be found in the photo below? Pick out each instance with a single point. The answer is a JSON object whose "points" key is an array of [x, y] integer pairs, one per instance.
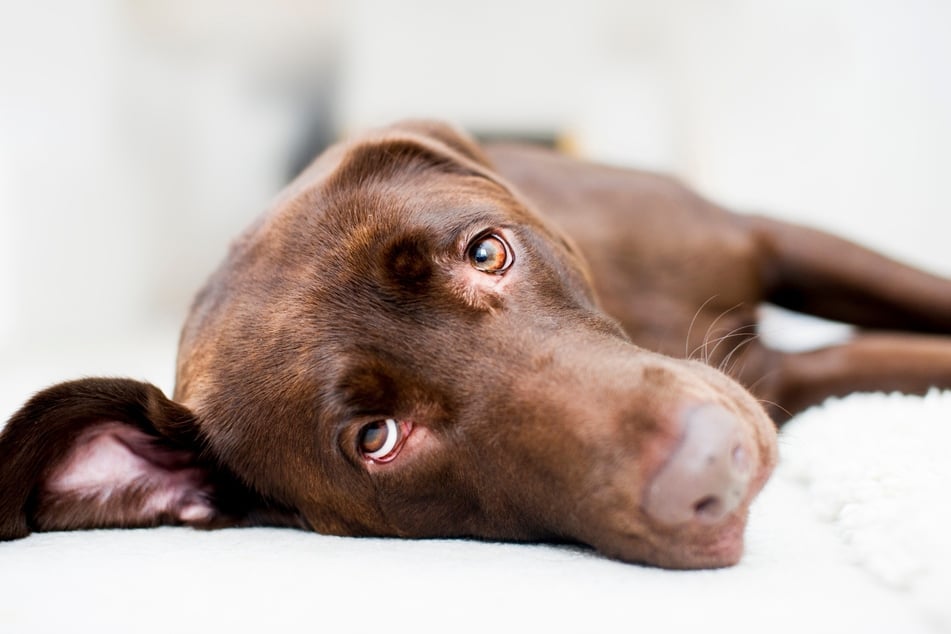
{"points": [[425, 337]]}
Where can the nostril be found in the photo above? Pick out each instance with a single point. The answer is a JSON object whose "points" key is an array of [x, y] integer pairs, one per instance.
{"points": [[708, 507], [707, 476]]}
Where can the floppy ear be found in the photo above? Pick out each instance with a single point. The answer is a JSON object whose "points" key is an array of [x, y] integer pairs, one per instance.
{"points": [[406, 146], [452, 137], [115, 453]]}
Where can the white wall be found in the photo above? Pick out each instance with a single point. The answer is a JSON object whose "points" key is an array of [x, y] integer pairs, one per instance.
{"points": [[833, 113], [136, 138], [64, 230]]}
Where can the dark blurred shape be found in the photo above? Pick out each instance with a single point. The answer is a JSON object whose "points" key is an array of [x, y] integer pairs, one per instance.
{"points": [[546, 138], [319, 123]]}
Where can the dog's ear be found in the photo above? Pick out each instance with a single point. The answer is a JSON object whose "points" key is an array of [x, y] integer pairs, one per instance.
{"points": [[115, 453], [454, 138], [405, 148]]}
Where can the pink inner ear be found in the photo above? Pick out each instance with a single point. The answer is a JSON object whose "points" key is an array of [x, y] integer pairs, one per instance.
{"points": [[111, 460]]}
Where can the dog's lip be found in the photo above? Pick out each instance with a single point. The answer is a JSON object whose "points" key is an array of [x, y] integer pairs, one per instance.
{"points": [[723, 548], [723, 544], [715, 547], [706, 546]]}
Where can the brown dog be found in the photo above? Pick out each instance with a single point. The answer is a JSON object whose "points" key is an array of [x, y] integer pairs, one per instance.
{"points": [[427, 338]]}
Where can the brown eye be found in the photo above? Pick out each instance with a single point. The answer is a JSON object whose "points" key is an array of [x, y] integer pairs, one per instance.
{"points": [[381, 440], [490, 254]]}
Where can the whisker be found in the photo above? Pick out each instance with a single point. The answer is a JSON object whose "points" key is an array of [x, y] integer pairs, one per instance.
{"points": [[687, 355], [740, 331], [707, 334], [724, 365], [764, 401], [708, 354], [742, 371], [762, 378]]}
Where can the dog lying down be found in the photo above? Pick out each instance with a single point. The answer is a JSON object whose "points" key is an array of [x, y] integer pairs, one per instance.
{"points": [[424, 337]]}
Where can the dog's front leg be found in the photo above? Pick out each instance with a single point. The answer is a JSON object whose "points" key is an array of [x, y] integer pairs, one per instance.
{"points": [[820, 274], [871, 362], [904, 316]]}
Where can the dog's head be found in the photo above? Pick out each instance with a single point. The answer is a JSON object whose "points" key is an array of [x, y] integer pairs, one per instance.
{"points": [[403, 347]]}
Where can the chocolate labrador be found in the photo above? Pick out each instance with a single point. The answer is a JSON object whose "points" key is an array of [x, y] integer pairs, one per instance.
{"points": [[424, 337]]}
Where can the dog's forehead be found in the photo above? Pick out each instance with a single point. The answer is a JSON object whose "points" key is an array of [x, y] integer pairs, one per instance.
{"points": [[294, 276], [382, 184], [354, 256]]}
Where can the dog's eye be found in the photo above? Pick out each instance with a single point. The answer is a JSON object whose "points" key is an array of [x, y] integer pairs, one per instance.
{"points": [[490, 254], [381, 440]]}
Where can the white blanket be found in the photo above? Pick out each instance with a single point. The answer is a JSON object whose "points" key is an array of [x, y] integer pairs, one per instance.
{"points": [[850, 535]]}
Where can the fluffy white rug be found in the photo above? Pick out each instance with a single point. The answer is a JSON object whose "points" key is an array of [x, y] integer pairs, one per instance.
{"points": [[876, 469], [849, 536]]}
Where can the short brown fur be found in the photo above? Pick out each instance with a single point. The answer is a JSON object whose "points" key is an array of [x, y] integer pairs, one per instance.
{"points": [[541, 401]]}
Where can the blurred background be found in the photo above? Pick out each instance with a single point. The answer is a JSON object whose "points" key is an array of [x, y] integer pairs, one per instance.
{"points": [[137, 137]]}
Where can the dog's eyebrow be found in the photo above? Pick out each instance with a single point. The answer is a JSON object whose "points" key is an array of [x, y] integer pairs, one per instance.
{"points": [[465, 232], [465, 224]]}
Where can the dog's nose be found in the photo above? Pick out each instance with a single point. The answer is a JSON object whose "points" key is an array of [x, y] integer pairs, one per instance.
{"points": [[707, 475]]}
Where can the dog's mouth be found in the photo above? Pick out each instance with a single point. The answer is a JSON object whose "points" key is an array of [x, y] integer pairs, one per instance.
{"points": [[715, 544], [692, 508], [688, 546], [721, 547], [698, 501]]}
